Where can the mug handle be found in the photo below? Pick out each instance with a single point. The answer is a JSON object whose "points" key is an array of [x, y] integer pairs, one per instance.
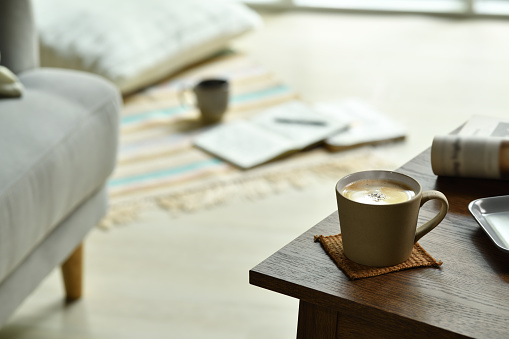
{"points": [[428, 226], [183, 95]]}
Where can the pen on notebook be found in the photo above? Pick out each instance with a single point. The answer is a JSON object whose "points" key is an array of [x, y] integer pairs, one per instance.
{"points": [[301, 122]]}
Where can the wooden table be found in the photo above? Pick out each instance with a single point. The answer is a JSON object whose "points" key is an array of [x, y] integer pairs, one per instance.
{"points": [[467, 297]]}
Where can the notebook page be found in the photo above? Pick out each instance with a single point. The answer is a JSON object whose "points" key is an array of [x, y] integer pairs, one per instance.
{"points": [[366, 124], [299, 123], [243, 143]]}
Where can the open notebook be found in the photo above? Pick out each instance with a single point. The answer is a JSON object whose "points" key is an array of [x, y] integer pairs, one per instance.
{"points": [[294, 126], [274, 133]]}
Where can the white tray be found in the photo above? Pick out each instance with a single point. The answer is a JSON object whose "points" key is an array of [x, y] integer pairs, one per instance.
{"points": [[493, 216]]}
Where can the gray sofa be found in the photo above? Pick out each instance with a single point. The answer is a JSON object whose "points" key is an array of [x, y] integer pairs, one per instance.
{"points": [[58, 144]]}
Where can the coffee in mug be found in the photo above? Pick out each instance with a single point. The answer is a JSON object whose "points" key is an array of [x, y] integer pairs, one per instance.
{"points": [[378, 192], [378, 213]]}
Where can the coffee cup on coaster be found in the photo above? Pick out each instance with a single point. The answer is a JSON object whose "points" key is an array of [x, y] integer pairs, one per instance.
{"points": [[211, 98], [378, 212]]}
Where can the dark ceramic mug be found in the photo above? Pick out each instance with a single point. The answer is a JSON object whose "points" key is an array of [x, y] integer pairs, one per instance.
{"points": [[211, 98]]}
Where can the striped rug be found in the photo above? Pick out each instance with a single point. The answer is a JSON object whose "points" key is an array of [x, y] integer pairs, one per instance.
{"points": [[157, 163]]}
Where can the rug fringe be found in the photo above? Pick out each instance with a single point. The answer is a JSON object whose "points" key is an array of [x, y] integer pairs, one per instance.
{"points": [[256, 185], [122, 213]]}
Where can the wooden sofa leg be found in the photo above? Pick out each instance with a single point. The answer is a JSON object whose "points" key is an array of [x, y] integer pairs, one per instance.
{"points": [[72, 271]]}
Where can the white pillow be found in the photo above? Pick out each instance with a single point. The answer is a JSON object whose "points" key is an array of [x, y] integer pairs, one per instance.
{"points": [[135, 43]]}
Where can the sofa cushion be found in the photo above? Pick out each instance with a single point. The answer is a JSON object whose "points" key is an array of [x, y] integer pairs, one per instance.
{"points": [[135, 43], [57, 147]]}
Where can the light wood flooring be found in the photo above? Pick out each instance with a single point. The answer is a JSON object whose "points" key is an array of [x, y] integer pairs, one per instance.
{"points": [[187, 277]]}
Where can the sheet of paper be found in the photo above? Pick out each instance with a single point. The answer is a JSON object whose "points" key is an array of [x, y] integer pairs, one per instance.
{"points": [[484, 126], [366, 124], [243, 143], [299, 123]]}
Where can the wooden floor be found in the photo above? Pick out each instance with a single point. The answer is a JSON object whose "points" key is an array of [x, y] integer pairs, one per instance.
{"points": [[187, 277]]}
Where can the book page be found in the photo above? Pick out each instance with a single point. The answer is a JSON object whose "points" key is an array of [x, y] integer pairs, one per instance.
{"points": [[299, 123], [484, 126], [243, 144], [366, 124]]}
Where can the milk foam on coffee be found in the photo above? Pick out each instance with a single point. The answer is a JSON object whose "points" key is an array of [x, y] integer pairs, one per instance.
{"points": [[377, 192]]}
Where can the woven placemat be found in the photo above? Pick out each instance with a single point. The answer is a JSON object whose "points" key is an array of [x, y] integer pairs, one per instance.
{"points": [[333, 246]]}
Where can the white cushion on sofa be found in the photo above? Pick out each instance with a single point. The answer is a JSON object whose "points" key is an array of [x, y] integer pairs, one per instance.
{"points": [[135, 43]]}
